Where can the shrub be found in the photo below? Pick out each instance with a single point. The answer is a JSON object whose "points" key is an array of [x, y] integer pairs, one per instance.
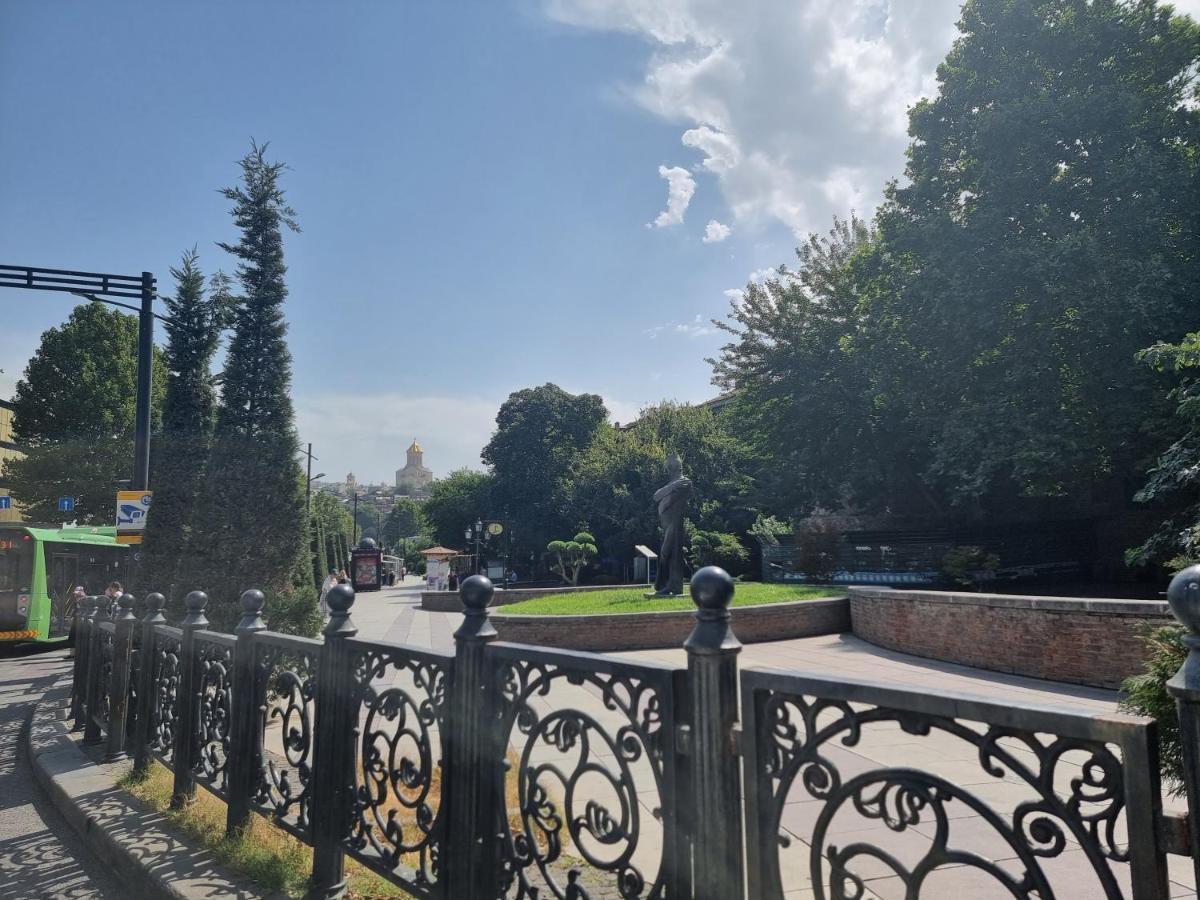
{"points": [[969, 566], [1146, 695]]}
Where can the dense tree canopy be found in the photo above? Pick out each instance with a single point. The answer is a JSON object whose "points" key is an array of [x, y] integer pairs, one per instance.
{"points": [[540, 432], [977, 350], [74, 416], [457, 502]]}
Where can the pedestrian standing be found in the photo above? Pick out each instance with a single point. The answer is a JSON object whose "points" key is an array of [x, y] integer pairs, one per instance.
{"points": [[330, 580]]}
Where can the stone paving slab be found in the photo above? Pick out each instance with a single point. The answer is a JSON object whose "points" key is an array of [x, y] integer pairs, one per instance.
{"points": [[949, 757]]}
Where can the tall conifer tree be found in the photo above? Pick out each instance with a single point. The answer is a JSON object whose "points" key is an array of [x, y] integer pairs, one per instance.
{"points": [[255, 525], [181, 451]]}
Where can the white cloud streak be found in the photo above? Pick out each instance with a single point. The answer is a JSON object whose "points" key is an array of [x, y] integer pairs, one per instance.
{"points": [[680, 187]]}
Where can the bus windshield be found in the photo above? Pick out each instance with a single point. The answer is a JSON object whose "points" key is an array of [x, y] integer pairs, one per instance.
{"points": [[16, 562]]}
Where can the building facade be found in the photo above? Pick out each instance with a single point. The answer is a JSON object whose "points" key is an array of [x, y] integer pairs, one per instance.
{"points": [[8, 450], [414, 479]]}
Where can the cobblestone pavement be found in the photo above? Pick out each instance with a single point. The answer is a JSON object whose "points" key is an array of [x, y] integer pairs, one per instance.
{"points": [[40, 856]]}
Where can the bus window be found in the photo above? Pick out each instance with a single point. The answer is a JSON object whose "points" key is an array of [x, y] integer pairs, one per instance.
{"points": [[16, 576]]}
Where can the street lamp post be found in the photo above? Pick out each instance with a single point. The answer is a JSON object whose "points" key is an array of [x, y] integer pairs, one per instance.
{"points": [[356, 496]]}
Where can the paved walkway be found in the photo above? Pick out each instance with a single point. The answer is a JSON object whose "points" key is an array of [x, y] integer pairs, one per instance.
{"points": [[40, 856], [394, 615]]}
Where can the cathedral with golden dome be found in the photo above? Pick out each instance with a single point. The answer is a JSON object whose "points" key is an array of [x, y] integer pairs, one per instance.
{"points": [[414, 479]]}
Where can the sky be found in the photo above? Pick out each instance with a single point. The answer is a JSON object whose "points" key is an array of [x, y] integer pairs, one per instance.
{"points": [[492, 195]]}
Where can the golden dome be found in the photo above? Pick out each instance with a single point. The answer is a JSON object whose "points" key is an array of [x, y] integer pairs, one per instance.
{"points": [[415, 447]]}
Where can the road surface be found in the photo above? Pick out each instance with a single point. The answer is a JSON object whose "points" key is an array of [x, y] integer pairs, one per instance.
{"points": [[40, 856]]}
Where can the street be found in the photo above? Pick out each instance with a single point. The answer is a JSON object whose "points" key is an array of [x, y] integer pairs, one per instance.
{"points": [[40, 856]]}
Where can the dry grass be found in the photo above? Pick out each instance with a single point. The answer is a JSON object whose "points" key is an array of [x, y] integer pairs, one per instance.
{"points": [[266, 854]]}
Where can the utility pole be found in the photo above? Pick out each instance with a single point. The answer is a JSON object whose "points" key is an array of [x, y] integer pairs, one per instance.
{"points": [[145, 385]]}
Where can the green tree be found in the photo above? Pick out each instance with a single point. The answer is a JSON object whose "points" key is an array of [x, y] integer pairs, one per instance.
{"points": [[406, 519], [1046, 231], [180, 452], [255, 530], [1174, 481], [457, 502], [822, 415], [74, 412], [569, 558], [612, 484], [540, 432], [717, 548]]}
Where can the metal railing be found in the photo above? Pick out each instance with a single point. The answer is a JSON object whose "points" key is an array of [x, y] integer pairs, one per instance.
{"points": [[505, 770]]}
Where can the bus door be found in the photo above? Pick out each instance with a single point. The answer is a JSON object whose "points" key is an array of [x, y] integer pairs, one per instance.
{"points": [[62, 570]]}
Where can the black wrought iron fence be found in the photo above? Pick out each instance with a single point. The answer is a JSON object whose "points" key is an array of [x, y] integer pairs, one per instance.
{"points": [[505, 770]]}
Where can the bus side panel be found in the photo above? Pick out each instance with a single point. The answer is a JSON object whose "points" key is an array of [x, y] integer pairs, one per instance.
{"points": [[39, 597]]}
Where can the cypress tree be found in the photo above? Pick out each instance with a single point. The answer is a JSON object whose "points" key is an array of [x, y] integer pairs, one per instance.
{"points": [[193, 333], [255, 523]]}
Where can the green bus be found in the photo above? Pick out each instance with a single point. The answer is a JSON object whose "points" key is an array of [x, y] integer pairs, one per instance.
{"points": [[40, 565]]}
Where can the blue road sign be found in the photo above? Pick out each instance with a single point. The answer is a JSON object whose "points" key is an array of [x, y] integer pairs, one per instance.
{"points": [[5, 502], [66, 504]]}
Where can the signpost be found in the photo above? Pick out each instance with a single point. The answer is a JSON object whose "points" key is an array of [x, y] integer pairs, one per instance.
{"points": [[5, 502], [66, 504], [132, 509]]}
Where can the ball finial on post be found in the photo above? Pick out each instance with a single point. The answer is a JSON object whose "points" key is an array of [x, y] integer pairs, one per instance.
{"points": [[1183, 595], [476, 594], [339, 599], [125, 607], [252, 602], [195, 602], [712, 591], [154, 607]]}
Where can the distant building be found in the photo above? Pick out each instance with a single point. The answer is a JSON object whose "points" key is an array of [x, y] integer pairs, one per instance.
{"points": [[414, 479], [8, 450]]}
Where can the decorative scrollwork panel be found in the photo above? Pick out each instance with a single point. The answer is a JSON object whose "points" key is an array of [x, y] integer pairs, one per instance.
{"points": [[849, 798], [397, 826], [165, 688], [285, 683], [215, 663], [591, 772]]}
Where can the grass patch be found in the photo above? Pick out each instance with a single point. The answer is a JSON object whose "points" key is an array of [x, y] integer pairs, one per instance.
{"points": [[268, 855], [633, 600]]}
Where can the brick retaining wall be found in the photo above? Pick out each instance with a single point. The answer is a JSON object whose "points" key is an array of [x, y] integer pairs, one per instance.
{"points": [[656, 630], [1092, 642], [448, 601]]}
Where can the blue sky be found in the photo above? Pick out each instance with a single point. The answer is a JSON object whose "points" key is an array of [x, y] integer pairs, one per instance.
{"points": [[477, 182]]}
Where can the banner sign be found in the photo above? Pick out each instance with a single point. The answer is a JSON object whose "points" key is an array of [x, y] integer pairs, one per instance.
{"points": [[132, 509]]}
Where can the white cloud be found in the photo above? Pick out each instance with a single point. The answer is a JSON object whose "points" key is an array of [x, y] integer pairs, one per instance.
{"points": [[697, 327], [715, 232], [680, 187], [797, 109]]}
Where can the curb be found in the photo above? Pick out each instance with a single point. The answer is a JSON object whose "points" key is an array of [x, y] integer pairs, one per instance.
{"points": [[124, 834]]}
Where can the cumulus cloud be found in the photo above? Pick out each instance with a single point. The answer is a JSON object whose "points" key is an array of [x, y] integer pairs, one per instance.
{"points": [[680, 187], [797, 110], [715, 232]]}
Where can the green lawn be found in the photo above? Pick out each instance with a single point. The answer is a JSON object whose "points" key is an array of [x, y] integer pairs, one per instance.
{"points": [[633, 600]]}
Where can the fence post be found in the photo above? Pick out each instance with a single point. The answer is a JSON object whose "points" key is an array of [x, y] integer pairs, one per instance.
{"points": [[95, 664], [146, 686], [473, 763], [83, 639], [335, 734], [245, 725], [1184, 597], [184, 791], [712, 651], [118, 686]]}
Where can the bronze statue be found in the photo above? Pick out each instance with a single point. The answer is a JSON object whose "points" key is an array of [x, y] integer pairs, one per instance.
{"points": [[672, 499]]}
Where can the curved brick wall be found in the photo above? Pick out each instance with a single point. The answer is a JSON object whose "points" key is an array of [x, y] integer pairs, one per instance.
{"points": [[656, 630], [1093, 642]]}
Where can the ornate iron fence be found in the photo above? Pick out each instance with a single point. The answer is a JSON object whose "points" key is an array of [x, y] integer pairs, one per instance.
{"points": [[504, 770]]}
